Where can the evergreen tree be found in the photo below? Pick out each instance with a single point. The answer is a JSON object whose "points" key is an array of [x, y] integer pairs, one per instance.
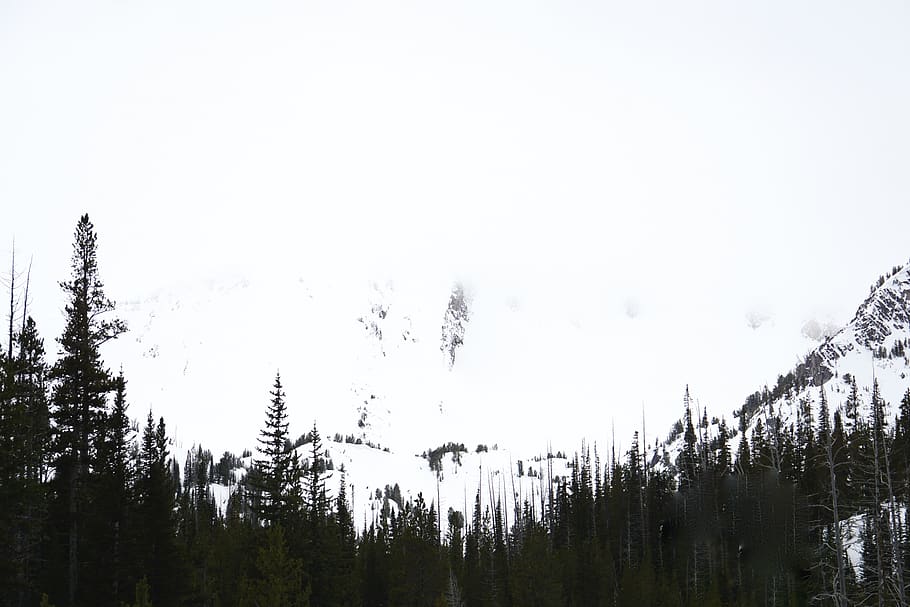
{"points": [[345, 573], [142, 594], [295, 494], [824, 419], [724, 459], [903, 421], [688, 459], [760, 455], [901, 448], [81, 385], [455, 543], [24, 452], [316, 530], [156, 493], [316, 500], [114, 504], [743, 453], [840, 455], [852, 408], [279, 577], [274, 465]]}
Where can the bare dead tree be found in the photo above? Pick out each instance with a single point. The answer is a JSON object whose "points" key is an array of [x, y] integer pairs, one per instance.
{"points": [[28, 280], [840, 581]]}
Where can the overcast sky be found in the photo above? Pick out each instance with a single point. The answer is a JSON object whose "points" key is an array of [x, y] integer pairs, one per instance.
{"points": [[689, 156]]}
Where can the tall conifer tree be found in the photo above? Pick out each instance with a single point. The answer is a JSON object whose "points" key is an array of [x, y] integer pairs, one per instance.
{"points": [[274, 465], [81, 387], [157, 491]]}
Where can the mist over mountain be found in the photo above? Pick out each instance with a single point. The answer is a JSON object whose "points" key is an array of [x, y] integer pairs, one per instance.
{"points": [[426, 359]]}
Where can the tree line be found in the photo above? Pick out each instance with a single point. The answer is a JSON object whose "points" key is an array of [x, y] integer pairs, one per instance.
{"points": [[804, 509]]}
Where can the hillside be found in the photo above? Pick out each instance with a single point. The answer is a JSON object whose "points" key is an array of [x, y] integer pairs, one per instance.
{"points": [[873, 346], [389, 377]]}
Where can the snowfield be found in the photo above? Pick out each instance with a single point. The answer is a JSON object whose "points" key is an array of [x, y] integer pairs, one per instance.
{"points": [[495, 474], [391, 363]]}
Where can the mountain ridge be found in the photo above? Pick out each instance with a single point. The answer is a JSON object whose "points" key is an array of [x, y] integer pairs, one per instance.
{"points": [[872, 348]]}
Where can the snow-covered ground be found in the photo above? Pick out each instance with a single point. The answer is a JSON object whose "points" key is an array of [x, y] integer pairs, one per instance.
{"points": [[561, 360], [367, 358], [494, 473]]}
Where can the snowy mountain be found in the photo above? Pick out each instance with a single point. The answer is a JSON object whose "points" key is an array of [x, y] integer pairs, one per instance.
{"points": [[376, 364], [874, 345], [392, 370], [205, 355], [425, 359]]}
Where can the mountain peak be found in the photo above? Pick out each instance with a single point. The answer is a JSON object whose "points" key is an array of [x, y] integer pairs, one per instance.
{"points": [[886, 311], [880, 327]]}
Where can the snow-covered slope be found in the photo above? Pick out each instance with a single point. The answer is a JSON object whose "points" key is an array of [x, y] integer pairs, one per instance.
{"points": [[412, 365], [874, 345], [206, 356], [425, 359], [377, 479]]}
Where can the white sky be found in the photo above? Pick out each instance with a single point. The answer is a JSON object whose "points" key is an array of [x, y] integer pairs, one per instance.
{"points": [[685, 158]]}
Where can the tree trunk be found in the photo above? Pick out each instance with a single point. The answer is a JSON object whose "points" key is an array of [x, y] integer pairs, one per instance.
{"points": [[840, 584]]}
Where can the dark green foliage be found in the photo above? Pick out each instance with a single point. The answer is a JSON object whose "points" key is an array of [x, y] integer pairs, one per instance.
{"points": [[115, 523], [24, 462], [345, 572], [279, 579], [274, 467], [158, 528], [81, 386], [688, 464], [434, 456], [142, 594]]}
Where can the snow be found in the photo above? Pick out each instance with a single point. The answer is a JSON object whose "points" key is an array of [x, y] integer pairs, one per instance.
{"points": [[367, 469], [845, 353], [362, 356]]}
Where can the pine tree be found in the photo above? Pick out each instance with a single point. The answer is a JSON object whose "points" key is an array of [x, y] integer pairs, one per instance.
{"points": [[760, 451], [345, 574], [875, 530], [81, 386], [115, 500], [455, 541], [835, 533], [142, 594], [280, 580], [840, 453], [688, 459], [316, 501], [901, 447], [316, 529], [156, 491], [903, 423], [24, 453], [854, 422], [274, 465], [474, 591], [824, 419], [295, 494], [724, 459], [743, 453]]}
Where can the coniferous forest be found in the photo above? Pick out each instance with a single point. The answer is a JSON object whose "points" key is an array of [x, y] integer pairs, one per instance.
{"points": [[97, 511]]}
